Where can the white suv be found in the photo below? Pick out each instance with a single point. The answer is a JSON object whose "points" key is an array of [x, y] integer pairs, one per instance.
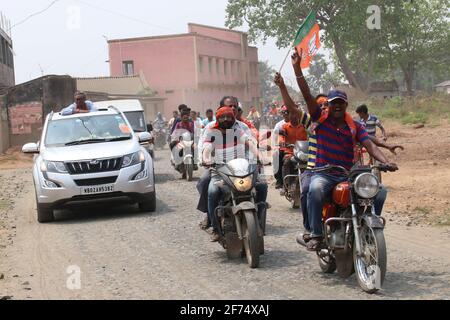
{"points": [[91, 156]]}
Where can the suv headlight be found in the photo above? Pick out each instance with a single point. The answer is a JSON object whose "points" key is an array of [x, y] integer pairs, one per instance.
{"points": [[53, 166], [243, 184], [367, 185], [133, 159]]}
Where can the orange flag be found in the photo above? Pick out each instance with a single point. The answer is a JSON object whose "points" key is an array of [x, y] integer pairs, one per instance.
{"points": [[307, 39]]}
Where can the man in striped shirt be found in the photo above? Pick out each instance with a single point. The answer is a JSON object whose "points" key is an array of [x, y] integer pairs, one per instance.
{"points": [[370, 122], [337, 134], [222, 144]]}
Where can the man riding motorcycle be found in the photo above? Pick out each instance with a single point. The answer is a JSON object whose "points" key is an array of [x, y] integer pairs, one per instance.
{"points": [[227, 142], [203, 183], [337, 135]]}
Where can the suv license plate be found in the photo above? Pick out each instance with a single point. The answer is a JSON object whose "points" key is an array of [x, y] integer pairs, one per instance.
{"points": [[97, 189]]}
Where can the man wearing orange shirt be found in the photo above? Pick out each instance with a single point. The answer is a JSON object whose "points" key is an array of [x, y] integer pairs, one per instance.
{"points": [[290, 133]]}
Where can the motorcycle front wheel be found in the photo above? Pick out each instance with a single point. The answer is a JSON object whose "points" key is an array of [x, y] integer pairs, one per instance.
{"points": [[370, 267], [251, 241], [189, 171]]}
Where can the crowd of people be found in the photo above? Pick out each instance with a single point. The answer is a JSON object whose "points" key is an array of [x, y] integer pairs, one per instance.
{"points": [[225, 134]]}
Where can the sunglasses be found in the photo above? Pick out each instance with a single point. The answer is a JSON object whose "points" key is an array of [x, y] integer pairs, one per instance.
{"points": [[225, 118]]}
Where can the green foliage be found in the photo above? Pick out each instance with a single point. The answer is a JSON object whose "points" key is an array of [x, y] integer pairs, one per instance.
{"points": [[412, 110], [269, 91], [414, 35]]}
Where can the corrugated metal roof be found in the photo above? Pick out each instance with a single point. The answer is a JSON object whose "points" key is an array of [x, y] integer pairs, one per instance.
{"points": [[113, 85], [443, 84]]}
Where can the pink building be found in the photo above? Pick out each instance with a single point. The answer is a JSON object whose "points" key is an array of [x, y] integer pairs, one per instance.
{"points": [[197, 68]]}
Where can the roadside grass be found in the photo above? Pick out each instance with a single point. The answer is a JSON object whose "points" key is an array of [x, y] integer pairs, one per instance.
{"points": [[420, 109], [444, 219], [4, 205]]}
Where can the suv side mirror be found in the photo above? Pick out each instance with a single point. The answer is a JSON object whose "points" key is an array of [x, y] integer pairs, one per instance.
{"points": [[144, 137], [149, 127], [30, 148]]}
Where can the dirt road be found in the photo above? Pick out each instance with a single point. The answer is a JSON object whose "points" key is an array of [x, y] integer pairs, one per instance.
{"points": [[124, 254]]}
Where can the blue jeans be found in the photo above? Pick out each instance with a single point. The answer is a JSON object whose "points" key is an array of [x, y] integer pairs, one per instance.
{"points": [[305, 181], [215, 194], [320, 191]]}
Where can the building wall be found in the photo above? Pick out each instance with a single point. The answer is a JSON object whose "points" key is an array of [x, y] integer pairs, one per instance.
{"points": [[197, 69], [6, 61], [4, 126], [218, 33], [167, 63], [29, 103]]}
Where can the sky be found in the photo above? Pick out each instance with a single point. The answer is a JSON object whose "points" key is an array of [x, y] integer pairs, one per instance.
{"points": [[70, 36]]}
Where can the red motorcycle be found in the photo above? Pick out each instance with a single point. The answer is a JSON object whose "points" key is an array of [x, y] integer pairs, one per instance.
{"points": [[353, 233]]}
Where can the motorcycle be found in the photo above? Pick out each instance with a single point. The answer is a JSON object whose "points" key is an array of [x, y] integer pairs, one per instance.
{"points": [[182, 156], [291, 182], [160, 136], [241, 230], [353, 233]]}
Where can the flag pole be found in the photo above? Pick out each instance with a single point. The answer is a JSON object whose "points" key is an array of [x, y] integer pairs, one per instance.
{"points": [[285, 58]]}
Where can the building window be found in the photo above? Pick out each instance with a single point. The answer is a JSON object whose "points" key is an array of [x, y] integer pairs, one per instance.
{"points": [[232, 67], [217, 66], [210, 65], [239, 68], [200, 64], [128, 68], [225, 67]]}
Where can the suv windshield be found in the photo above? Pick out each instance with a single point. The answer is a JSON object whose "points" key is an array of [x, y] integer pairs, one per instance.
{"points": [[136, 119], [85, 130]]}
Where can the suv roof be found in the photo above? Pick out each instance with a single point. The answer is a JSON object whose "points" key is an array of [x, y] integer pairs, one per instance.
{"points": [[123, 105], [103, 111]]}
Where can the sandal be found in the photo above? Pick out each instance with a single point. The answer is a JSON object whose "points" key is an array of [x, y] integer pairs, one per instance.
{"points": [[204, 224], [314, 244]]}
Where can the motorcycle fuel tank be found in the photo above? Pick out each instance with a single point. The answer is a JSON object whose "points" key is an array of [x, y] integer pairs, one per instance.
{"points": [[341, 194]]}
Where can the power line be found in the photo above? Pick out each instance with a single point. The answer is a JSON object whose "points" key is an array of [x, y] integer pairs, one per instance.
{"points": [[34, 14], [125, 16]]}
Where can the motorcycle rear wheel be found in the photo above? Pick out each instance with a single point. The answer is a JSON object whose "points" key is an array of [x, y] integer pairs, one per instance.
{"points": [[251, 241], [371, 266]]}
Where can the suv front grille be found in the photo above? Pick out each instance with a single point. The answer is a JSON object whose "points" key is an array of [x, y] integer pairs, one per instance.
{"points": [[95, 182], [94, 166]]}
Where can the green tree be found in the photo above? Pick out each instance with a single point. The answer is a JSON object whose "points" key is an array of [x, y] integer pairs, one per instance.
{"points": [[269, 91], [362, 54], [419, 39], [320, 78]]}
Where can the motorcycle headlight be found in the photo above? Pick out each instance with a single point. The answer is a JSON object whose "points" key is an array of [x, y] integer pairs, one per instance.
{"points": [[367, 185], [133, 159], [54, 167], [243, 184]]}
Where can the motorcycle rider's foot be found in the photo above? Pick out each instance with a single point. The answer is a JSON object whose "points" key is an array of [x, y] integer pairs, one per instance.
{"points": [[314, 244], [215, 236], [204, 224], [278, 185], [303, 238]]}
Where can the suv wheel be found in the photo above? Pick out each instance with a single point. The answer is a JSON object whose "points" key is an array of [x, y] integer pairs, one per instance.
{"points": [[44, 214], [150, 205]]}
